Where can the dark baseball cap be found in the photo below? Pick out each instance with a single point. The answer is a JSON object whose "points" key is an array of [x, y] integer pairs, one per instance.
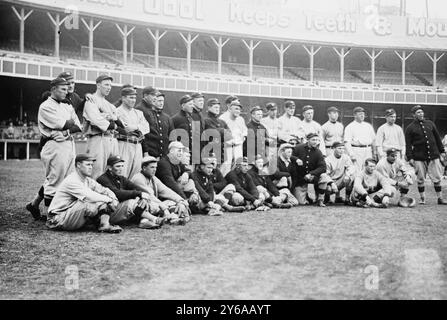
{"points": [[67, 75], [185, 99], [235, 103], [416, 108], [311, 135], [212, 102], [58, 82], [128, 91], [230, 99], [358, 109], [114, 160], [255, 108], [84, 157], [150, 90], [391, 151], [196, 95], [271, 105], [289, 104], [103, 77], [337, 144], [333, 109], [305, 108]]}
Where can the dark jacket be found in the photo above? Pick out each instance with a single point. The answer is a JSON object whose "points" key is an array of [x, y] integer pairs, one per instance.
{"points": [[156, 142], [78, 104], [218, 180], [283, 170], [204, 185], [263, 180], [123, 188], [243, 183], [423, 141], [256, 134], [169, 173], [313, 163], [182, 120]]}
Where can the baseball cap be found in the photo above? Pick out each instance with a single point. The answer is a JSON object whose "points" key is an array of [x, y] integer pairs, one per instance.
{"points": [[212, 102], [84, 157], [332, 109], [271, 105], [160, 94], [311, 135], [185, 99], [235, 103], [389, 112], [416, 108], [285, 146], [196, 95], [256, 108], [150, 90], [58, 82], [103, 77], [114, 160], [148, 159], [391, 151], [67, 75], [358, 109], [337, 144], [289, 104], [241, 160], [176, 144], [230, 99], [305, 108], [128, 91]]}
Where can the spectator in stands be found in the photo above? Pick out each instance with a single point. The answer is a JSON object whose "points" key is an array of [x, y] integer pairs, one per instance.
{"points": [[160, 124], [332, 130], [238, 130], [257, 136], [289, 125], [212, 122], [185, 126], [310, 126], [359, 139], [9, 133], [390, 136]]}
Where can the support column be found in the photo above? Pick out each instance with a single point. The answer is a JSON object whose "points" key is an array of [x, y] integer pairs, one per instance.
{"points": [[219, 44], [342, 54], [188, 41], [131, 47], [22, 16], [373, 56], [124, 34], [311, 52], [281, 50], [91, 27], [57, 22], [156, 37], [435, 60], [251, 46], [403, 58]]}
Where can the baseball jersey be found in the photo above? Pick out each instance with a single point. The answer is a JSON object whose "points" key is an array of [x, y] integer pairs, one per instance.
{"points": [[359, 133], [314, 127], [237, 126], [272, 126], [392, 170], [365, 183], [332, 132], [133, 118], [289, 127], [73, 189], [390, 136], [95, 115], [52, 115], [337, 167]]}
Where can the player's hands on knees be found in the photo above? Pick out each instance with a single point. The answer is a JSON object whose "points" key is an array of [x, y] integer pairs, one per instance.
{"points": [[58, 136]]}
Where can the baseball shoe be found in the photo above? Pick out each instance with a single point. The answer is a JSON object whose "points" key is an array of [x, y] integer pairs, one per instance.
{"points": [[231, 208], [422, 200], [282, 205], [35, 211], [320, 203], [110, 229], [442, 201], [147, 224], [177, 222]]}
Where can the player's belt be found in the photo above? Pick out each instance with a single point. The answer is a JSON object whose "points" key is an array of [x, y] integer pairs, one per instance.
{"points": [[361, 145], [133, 140], [107, 133]]}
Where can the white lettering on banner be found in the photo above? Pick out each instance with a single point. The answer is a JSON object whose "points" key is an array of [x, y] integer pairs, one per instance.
{"points": [[340, 23], [259, 17], [375, 22], [186, 9], [110, 3], [423, 27]]}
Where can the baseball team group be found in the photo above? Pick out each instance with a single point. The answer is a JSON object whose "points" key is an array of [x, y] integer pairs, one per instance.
{"points": [[145, 167]]}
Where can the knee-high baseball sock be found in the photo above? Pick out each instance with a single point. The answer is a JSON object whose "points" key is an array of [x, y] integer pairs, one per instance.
{"points": [[38, 198], [421, 190], [403, 192], [377, 199], [321, 193], [438, 190]]}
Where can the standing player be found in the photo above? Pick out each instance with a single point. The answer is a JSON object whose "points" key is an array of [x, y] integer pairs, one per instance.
{"points": [[257, 139], [197, 116], [289, 125], [100, 125], [332, 130], [310, 126], [359, 139], [424, 149], [271, 123], [390, 136], [135, 126], [57, 122]]}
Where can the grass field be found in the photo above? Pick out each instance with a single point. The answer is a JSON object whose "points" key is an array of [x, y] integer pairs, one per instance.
{"points": [[302, 253]]}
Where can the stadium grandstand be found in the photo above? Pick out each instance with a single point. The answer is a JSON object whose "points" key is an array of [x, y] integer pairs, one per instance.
{"points": [[344, 53]]}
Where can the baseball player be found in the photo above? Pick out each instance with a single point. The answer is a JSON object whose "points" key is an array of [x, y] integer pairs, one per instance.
{"points": [[341, 170], [100, 125], [424, 149], [332, 130], [371, 189], [290, 126], [308, 126], [271, 123], [184, 125], [80, 200], [257, 136], [390, 136], [136, 127], [359, 139], [395, 169], [57, 121]]}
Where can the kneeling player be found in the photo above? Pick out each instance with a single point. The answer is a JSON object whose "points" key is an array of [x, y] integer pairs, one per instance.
{"points": [[371, 189]]}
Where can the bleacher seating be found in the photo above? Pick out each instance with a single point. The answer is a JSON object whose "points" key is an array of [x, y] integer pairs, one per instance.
{"points": [[113, 59]]}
